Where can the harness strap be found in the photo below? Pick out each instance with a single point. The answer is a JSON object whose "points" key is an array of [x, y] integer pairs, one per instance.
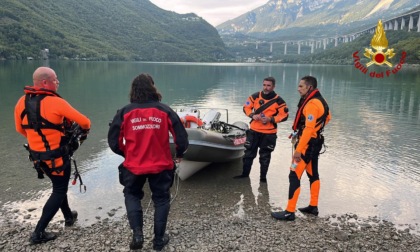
{"points": [[37, 122], [48, 155], [33, 112], [39, 157], [298, 123], [301, 105], [321, 121], [266, 105]]}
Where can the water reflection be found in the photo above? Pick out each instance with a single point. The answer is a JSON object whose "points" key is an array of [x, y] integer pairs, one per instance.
{"points": [[103, 197]]}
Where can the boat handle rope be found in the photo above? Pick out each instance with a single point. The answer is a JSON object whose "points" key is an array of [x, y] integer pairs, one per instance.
{"points": [[176, 182]]}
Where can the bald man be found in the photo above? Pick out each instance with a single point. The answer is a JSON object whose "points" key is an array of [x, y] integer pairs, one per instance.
{"points": [[43, 117]]}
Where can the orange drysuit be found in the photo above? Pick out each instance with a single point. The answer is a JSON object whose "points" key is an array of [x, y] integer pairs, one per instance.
{"points": [[312, 115], [54, 110], [277, 111]]}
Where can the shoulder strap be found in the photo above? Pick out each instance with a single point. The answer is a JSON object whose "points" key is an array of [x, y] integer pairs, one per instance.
{"points": [[301, 105], [33, 113], [266, 105]]}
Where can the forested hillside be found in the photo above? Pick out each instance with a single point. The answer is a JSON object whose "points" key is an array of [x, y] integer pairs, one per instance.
{"points": [[104, 30]]}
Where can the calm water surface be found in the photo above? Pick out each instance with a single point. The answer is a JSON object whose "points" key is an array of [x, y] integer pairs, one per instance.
{"points": [[371, 167]]}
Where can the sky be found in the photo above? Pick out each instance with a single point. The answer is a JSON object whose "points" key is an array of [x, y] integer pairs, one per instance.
{"points": [[213, 11]]}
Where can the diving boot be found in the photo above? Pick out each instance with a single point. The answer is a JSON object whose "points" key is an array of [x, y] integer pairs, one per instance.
{"points": [[41, 237], [137, 241], [158, 244], [309, 210], [68, 222], [283, 215]]}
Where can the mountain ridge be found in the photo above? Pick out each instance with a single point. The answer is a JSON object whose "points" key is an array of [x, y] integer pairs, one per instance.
{"points": [[281, 18], [105, 30]]}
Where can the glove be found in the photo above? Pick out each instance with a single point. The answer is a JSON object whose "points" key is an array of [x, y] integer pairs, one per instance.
{"points": [[84, 134]]}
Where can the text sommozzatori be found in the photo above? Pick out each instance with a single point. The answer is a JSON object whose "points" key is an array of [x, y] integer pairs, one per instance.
{"points": [[146, 123]]}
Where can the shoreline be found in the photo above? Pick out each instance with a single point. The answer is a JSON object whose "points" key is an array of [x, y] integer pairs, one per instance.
{"points": [[219, 223]]}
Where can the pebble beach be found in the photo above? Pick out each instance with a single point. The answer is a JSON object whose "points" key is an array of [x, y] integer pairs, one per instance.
{"points": [[213, 220]]}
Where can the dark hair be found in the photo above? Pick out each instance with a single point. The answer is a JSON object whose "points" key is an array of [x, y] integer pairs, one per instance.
{"points": [[271, 79], [143, 89], [150, 78], [310, 80]]}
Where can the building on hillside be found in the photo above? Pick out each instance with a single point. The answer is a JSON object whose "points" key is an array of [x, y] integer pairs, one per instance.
{"points": [[44, 53]]}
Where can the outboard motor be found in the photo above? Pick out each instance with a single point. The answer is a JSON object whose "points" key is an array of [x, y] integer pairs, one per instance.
{"points": [[210, 118]]}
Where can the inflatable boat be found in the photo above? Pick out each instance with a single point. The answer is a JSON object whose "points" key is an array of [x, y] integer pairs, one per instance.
{"points": [[210, 140]]}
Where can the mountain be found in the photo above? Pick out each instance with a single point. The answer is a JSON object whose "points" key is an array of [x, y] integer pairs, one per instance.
{"points": [[302, 19], [104, 30]]}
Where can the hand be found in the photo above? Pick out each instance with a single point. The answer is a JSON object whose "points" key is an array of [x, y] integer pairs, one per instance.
{"points": [[84, 134], [177, 161], [297, 156], [265, 119], [256, 117]]}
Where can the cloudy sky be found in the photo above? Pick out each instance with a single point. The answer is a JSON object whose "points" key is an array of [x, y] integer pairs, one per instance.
{"points": [[213, 11]]}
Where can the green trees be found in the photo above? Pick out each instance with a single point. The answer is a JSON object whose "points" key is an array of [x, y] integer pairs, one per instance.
{"points": [[104, 30]]}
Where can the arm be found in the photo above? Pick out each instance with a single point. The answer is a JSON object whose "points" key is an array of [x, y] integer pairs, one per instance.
{"points": [[282, 112], [179, 134], [64, 108], [248, 107], [20, 105], [328, 117], [311, 112], [115, 137]]}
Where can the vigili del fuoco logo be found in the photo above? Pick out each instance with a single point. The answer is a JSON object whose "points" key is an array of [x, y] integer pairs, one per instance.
{"points": [[379, 55]]}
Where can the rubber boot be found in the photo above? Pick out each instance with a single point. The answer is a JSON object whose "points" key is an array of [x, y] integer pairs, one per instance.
{"points": [[160, 243], [68, 222], [41, 237], [138, 239]]}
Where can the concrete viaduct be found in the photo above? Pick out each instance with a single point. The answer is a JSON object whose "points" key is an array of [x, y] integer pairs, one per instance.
{"points": [[409, 22]]}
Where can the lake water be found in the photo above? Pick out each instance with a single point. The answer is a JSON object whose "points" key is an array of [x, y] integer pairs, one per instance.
{"points": [[371, 167]]}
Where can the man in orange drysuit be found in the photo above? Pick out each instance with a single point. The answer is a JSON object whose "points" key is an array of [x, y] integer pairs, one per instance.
{"points": [[312, 115], [266, 109], [43, 117]]}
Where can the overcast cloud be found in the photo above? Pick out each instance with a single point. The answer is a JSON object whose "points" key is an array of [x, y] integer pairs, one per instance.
{"points": [[213, 11]]}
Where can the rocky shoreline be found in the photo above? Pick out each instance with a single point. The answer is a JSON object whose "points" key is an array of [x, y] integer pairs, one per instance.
{"points": [[215, 223]]}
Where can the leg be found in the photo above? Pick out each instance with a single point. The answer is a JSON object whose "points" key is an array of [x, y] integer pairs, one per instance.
{"points": [[160, 185], [314, 181], [64, 207], [294, 191], [133, 194], [294, 186], [267, 146], [55, 201], [312, 172], [70, 217], [311, 156], [60, 186]]}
